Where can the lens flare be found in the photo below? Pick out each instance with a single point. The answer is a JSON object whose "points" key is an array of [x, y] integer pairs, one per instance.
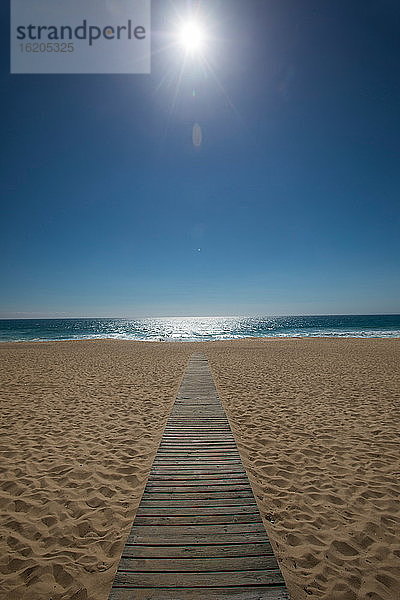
{"points": [[191, 36], [197, 135]]}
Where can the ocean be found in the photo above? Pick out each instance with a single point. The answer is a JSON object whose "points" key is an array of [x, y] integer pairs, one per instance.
{"points": [[181, 329]]}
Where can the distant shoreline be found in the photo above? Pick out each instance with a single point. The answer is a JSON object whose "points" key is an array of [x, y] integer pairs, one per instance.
{"points": [[226, 340]]}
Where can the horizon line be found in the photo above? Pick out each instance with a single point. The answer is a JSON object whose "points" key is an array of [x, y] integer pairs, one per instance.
{"points": [[60, 318]]}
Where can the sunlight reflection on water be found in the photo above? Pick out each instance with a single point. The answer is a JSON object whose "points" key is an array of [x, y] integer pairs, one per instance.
{"points": [[200, 328]]}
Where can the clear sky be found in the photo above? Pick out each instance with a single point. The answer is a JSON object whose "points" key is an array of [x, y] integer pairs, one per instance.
{"points": [[289, 206]]}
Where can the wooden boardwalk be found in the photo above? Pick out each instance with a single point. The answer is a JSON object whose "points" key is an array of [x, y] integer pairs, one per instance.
{"points": [[198, 533]]}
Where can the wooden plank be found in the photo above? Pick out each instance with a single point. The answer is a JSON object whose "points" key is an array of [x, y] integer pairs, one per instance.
{"points": [[189, 442], [208, 495], [193, 459], [201, 486], [208, 417], [176, 472], [198, 463], [206, 438], [182, 511], [182, 489], [194, 453], [204, 401], [203, 448], [208, 503], [209, 593], [199, 550], [199, 457], [199, 447], [184, 473], [193, 530], [185, 539], [168, 565], [197, 425], [200, 436], [182, 470], [160, 481], [195, 463], [226, 440], [201, 411], [215, 433], [167, 474], [184, 477], [192, 519], [175, 417], [207, 426], [213, 448], [193, 580], [203, 431]]}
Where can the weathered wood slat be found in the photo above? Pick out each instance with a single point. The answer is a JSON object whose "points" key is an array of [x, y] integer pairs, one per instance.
{"points": [[196, 452], [202, 450], [168, 565], [205, 538], [198, 504], [188, 423], [189, 452], [182, 489], [215, 470], [198, 533], [198, 511], [178, 580], [200, 481], [195, 434], [198, 434], [209, 593], [184, 472], [188, 427], [172, 477], [198, 444], [192, 519], [198, 464], [211, 496], [194, 460], [191, 439], [199, 550], [203, 529]]}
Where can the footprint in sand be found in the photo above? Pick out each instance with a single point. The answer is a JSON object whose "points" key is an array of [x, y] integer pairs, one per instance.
{"points": [[342, 548], [95, 502], [61, 576], [387, 581], [293, 540], [341, 591], [308, 561]]}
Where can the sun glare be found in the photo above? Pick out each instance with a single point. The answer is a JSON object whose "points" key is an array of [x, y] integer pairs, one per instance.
{"points": [[191, 37]]}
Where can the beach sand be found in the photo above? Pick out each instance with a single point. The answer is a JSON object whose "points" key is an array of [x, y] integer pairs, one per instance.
{"points": [[317, 425]]}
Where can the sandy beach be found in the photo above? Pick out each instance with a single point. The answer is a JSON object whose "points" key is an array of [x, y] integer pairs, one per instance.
{"points": [[316, 422]]}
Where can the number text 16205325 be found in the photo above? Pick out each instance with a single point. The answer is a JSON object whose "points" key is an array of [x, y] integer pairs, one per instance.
{"points": [[47, 47]]}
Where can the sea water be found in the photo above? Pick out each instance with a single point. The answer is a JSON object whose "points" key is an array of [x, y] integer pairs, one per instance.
{"points": [[200, 328]]}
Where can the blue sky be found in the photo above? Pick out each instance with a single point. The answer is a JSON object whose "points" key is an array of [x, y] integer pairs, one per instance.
{"points": [[290, 205]]}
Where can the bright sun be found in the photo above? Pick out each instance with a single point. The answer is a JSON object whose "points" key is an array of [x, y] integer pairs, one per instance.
{"points": [[191, 36]]}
